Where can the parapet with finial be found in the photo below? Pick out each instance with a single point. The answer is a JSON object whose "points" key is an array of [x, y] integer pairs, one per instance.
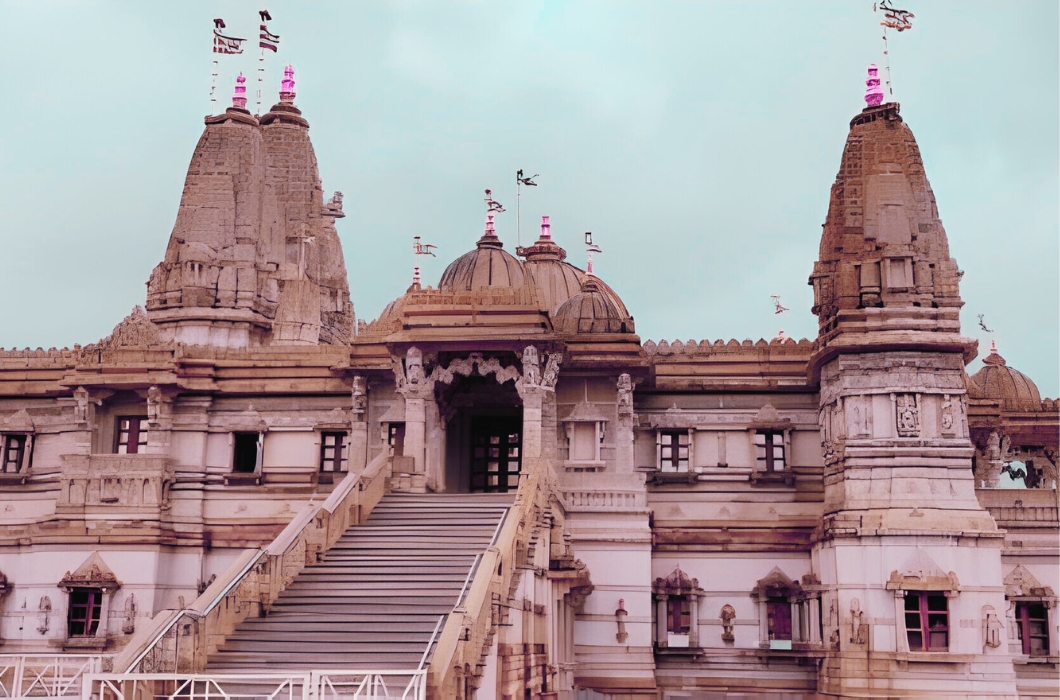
{"points": [[873, 93], [287, 93]]}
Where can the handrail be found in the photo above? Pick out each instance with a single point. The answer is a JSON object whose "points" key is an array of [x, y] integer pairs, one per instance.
{"points": [[268, 571], [500, 525], [465, 636], [431, 641], [467, 580]]}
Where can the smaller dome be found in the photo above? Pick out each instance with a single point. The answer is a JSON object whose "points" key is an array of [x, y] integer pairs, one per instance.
{"points": [[591, 310], [489, 265], [997, 381]]}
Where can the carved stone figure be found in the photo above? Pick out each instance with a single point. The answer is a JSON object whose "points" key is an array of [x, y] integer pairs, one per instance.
{"points": [[44, 619], [551, 374], [857, 622], [531, 366], [128, 625], [359, 395], [625, 395], [81, 405], [991, 628], [154, 405], [908, 413], [947, 415], [728, 614], [414, 367]]}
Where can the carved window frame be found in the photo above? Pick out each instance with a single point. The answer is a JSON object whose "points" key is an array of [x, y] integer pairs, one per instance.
{"points": [[939, 584], [677, 589], [763, 469], [803, 608]]}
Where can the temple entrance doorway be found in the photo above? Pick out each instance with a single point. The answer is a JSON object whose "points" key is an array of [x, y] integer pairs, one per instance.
{"points": [[483, 435], [496, 453]]}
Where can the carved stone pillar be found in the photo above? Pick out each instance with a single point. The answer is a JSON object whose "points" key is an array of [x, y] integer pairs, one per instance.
{"points": [[357, 457], [532, 401], [660, 619], [624, 427]]}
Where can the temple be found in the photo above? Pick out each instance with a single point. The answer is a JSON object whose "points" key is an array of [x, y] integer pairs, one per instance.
{"points": [[497, 489]]}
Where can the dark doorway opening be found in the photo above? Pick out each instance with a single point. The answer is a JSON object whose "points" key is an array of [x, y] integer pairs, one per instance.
{"points": [[496, 454]]}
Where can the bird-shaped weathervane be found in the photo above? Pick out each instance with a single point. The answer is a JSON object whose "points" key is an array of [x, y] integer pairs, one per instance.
{"points": [[780, 308]]}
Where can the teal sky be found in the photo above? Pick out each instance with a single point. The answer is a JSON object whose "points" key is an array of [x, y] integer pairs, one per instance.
{"points": [[698, 142]]}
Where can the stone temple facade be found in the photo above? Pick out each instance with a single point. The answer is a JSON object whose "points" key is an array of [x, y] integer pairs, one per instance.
{"points": [[496, 489]]}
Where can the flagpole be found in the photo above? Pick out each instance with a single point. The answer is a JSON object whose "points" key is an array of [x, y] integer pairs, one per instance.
{"points": [[261, 77], [887, 65], [518, 211]]}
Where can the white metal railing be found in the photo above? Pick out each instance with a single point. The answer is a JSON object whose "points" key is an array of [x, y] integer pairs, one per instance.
{"points": [[306, 685], [38, 676]]}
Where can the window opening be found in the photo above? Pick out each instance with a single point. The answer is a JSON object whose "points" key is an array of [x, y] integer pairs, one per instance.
{"points": [[331, 452], [396, 439], [673, 451], [245, 458], [778, 618], [769, 450], [927, 621], [679, 614], [14, 451], [132, 435], [85, 607], [1032, 628]]}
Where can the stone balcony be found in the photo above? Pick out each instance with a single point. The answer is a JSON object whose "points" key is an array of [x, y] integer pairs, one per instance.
{"points": [[120, 486]]}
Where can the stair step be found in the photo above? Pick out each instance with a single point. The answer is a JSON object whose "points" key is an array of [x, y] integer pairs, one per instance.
{"points": [[377, 596]]}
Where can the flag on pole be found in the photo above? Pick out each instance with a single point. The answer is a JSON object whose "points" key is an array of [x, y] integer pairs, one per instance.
{"points": [[895, 18], [268, 40], [225, 44]]}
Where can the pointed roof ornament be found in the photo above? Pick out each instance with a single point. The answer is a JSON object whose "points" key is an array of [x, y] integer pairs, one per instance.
{"points": [[590, 248], [416, 281], [994, 358], [873, 93], [287, 93], [239, 97], [546, 229]]}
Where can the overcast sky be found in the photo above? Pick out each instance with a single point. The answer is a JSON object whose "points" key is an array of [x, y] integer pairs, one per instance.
{"points": [[698, 142]]}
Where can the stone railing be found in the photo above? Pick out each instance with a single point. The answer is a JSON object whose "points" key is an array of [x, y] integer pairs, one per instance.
{"points": [[179, 641], [469, 629], [1021, 508]]}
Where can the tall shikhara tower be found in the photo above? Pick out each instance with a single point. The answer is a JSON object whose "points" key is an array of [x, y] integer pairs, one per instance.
{"points": [[910, 560]]}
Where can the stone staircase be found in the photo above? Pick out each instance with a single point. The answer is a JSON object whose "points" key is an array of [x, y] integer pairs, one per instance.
{"points": [[375, 599]]}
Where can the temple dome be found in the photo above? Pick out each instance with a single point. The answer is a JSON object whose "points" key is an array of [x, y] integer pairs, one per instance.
{"points": [[488, 266], [997, 381], [558, 280], [592, 310]]}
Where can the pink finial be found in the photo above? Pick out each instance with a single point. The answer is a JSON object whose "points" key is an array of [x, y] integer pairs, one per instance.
{"points": [[239, 98], [489, 225], [546, 229], [874, 93], [993, 347], [589, 266], [287, 93], [416, 275]]}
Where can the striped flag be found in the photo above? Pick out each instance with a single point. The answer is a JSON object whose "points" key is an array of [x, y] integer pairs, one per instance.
{"points": [[267, 40], [225, 44]]}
